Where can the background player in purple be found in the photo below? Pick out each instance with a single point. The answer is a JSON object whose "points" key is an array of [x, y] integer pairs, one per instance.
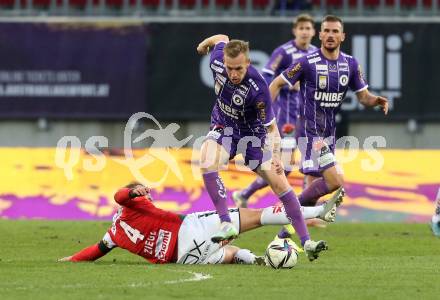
{"points": [[242, 121], [286, 105], [325, 77]]}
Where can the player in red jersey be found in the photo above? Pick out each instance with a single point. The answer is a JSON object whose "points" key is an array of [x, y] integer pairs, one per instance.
{"points": [[166, 237]]}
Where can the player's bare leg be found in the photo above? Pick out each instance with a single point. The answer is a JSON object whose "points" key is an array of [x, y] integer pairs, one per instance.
{"points": [[281, 187], [213, 158], [241, 197]]}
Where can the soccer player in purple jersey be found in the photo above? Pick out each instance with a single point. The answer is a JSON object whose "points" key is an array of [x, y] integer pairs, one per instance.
{"points": [[324, 76], [286, 105], [242, 121]]}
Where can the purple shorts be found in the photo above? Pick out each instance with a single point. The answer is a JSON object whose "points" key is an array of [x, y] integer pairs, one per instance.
{"points": [[316, 156], [250, 146]]}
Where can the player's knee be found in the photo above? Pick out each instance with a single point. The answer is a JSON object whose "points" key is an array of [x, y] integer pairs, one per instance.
{"points": [[334, 183], [280, 187], [230, 252]]}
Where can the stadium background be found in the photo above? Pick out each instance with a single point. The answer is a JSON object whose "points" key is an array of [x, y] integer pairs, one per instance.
{"points": [[75, 68]]}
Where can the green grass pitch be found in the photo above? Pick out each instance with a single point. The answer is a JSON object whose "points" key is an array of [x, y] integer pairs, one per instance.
{"points": [[365, 261]]}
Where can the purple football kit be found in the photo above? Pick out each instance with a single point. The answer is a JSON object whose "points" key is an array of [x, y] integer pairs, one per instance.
{"points": [[324, 84], [286, 106], [241, 112]]}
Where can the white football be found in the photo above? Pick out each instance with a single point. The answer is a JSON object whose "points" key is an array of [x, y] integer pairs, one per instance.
{"points": [[281, 254]]}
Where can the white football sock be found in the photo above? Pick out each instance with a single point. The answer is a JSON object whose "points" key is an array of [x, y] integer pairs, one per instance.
{"points": [[244, 256], [275, 215]]}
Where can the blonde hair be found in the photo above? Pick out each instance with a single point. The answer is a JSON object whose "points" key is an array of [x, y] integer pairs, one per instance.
{"points": [[303, 18], [235, 47]]}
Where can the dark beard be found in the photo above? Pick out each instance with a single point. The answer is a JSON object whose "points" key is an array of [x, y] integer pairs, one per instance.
{"points": [[330, 49]]}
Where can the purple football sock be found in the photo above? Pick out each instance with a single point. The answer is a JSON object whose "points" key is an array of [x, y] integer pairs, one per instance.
{"points": [[313, 192], [283, 234], [294, 214], [256, 185], [217, 192]]}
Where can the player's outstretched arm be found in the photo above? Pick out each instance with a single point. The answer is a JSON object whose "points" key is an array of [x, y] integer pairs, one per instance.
{"points": [[124, 195], [275, 87], [207, 44], [370, 100], [90, 253]]}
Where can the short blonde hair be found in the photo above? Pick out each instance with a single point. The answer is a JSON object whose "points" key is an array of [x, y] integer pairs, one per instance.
{"points": [[303, 18], [235, 47]]}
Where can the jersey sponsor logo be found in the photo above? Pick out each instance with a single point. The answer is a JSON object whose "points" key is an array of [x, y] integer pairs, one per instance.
{"points": [[343, 80], [238, 100], [163, 243], [322, 82], [328, 99], [332, 68], [296, 68], [229, 111], [217, 69], [321, 67], [314, 60]]}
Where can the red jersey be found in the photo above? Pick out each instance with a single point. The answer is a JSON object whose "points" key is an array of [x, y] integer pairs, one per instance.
{"points": [[144, 229]]}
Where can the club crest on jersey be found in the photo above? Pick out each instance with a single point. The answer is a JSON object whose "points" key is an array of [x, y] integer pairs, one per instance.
{"points": [[238, 100], [322, 82], [343, 80]]}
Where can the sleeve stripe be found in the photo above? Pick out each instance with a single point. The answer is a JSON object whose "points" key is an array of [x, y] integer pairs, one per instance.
{"points": [[269, 123], [268, 71], [361, 89], [285, 79]]}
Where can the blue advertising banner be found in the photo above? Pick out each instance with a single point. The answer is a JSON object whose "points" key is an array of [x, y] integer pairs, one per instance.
{"points": [[72, 70]]}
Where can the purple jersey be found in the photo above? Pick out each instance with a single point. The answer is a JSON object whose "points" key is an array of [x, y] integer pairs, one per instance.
{"points": [[286, 105], [324, 84], [246, 107]]}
